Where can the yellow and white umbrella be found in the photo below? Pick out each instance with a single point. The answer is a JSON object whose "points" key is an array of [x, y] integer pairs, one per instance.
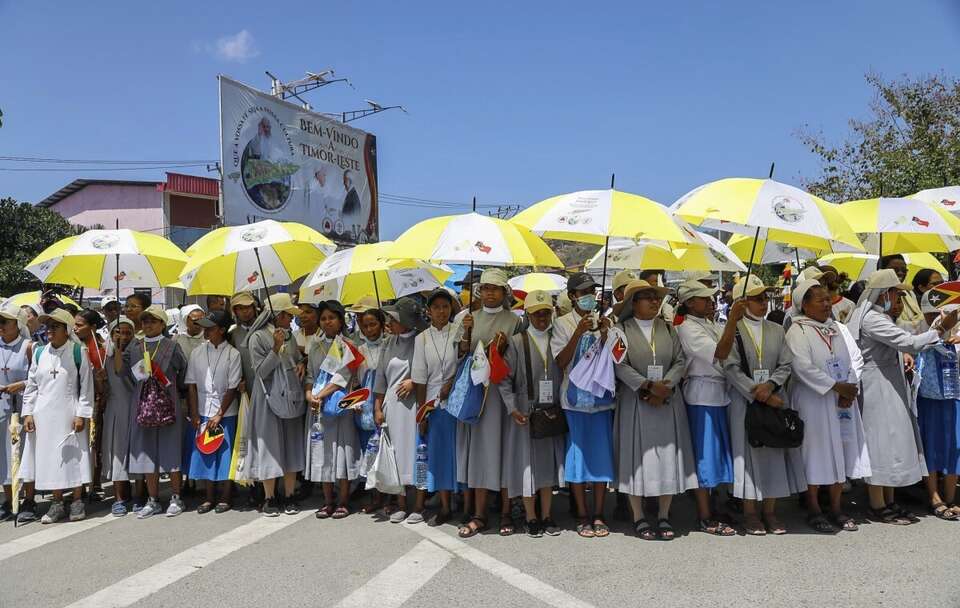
{"points": [[593, 216], [626, 254], [902, 225], [472, 238], [362, 271], [859, 266], [538, 281], [244, 258], [108, 259], [768, 210], [28, 298], [767, 252], [947, 197]]}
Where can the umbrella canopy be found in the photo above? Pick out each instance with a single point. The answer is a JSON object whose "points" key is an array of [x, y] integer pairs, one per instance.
{"points": [[473, 238], [626, 254], [902, 225], [767, 252], [591, 216], [769, 210], [859, 266], [947, 197], [107, 259], [363, 271], [538, 281], [33, 297], [243, 258]]}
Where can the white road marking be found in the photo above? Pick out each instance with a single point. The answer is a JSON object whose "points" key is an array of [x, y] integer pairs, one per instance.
{"points": [[512, 576], [146, 582], [49, 534], [401, 579]]}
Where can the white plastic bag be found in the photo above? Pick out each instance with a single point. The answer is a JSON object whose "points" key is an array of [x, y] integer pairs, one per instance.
{"points": [[384, 474]]}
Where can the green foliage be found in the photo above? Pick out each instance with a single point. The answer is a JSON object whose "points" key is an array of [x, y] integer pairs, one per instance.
{"points": [[910, 142], [25, 231]]}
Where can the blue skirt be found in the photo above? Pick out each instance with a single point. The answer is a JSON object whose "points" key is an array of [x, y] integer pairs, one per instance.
{"points": [[216, 466], [441, 452], [938, 429], [710, 432], [589, 456]]}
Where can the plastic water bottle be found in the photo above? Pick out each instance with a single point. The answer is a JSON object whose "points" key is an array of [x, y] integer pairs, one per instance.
{"points": [[420, 468], [951, 378]]}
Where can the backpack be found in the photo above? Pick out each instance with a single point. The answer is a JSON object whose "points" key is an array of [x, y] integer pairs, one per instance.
{"points": [[155, 407], [77, 359]]}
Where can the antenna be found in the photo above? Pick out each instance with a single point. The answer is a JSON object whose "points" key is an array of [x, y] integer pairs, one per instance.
{"points": [[310, 82], [375, 108]]}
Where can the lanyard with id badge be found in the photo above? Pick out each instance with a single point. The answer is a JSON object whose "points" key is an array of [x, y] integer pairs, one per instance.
{"points": [[654, 371], [545, 387], [759, 375], [835, 367]]}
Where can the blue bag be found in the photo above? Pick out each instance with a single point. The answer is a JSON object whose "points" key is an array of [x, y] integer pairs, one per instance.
{"points": [[364, 421], [331, 405], [578, 398], [465, 402]]}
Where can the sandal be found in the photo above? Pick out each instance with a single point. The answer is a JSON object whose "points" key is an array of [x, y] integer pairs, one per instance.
{"points": [[439, 519], [665, 530], [325, 511], [844, 522], [905, 514], [820, 524], [955, 508], [753, 526], [205, 507], [644, 530], [940, 509], [585, 529], [506, 525], [341, 512], [600, 528], [887, 515], [468, 530], [773, 525], [716, 528]]}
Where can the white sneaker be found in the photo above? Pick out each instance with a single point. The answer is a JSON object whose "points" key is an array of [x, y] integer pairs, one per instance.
{"points": [[55, 513], [77, 511], [150, 509], [175, 507], [415, 518], [398, 517]]}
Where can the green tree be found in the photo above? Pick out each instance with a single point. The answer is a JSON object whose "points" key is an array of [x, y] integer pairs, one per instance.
{"points": [[25, 231], [909, 142]]}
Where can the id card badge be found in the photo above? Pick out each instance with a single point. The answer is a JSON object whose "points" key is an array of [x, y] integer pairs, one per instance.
{"points": [[546, 391], [760, 376], [655, 373], [139, 371], [836, 370]]}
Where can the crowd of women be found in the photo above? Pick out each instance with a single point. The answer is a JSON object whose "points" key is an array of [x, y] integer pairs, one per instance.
{"points": [[875, 384]]}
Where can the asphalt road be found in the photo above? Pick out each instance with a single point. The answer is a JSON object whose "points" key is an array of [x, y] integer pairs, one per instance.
{"points": [[242, 559]]}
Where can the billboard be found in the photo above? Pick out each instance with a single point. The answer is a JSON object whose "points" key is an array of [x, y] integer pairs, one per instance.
{"points": [[285, 163]]}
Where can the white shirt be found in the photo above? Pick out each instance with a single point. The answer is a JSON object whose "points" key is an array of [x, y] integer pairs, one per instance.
{"points": [[706, 383], [563, 329], [646, 326], [434, 358], [214, 370]]}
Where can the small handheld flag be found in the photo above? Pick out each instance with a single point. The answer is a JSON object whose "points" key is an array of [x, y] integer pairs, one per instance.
{"points": [[945, 293], [209, 440], [354, 399]]}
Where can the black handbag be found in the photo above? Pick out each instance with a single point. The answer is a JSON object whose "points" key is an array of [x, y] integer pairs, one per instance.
{"points": [[766, 426], [545, 421]]}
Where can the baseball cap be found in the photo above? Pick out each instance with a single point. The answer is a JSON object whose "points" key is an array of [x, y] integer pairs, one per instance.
{"points": [[694, 289], [579, 281], [242, 299], [753, 287], [537, 300], [215, 318]]}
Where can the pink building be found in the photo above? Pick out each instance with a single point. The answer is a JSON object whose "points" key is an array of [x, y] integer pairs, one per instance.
{"points": [[182, 209]]}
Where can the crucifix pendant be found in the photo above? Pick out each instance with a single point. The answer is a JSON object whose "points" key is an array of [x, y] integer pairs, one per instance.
{"points": [[54, 372]]}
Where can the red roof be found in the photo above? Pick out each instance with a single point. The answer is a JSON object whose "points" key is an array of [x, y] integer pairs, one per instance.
{"points": [[190, 184]]}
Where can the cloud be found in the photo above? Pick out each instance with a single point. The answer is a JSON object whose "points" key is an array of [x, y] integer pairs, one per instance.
{"points": [[239, 47]]}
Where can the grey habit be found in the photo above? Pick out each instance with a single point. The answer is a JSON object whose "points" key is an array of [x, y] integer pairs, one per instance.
{"points": [[652, 443], [760, 473], [529, 464], [115, 433], [274, 444], [479, 445], [396, 361], [889, 424], [336, 452], [156, 450]]}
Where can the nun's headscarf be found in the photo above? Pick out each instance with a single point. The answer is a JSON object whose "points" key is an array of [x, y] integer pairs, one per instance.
{"points": [[184, 313], [800, 291], [113, 324], [878, 284]]}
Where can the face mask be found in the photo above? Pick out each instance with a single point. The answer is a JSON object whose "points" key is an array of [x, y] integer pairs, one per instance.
{"points": [[886, 305], [587, 303]]}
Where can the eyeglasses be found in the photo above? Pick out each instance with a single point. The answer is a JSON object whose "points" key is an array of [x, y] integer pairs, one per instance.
{"points": [[653, 296]]}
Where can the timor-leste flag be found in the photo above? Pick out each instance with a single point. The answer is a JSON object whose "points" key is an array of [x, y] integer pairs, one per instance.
{"points": [[354, 399], [945, 294], [209, 440]]}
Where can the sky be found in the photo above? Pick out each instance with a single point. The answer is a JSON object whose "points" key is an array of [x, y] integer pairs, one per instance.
{"points": [[511, 102]]}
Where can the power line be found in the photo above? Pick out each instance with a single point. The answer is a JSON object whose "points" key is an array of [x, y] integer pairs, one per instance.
{"points": [[100, 169], [95, 161]]}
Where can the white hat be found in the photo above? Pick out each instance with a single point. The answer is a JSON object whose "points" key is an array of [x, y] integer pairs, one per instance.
{"points": [[59, 315], [810, 273], [754, 287], [693, 288], [282, 302], [885, 279], [537, 300], [800, 290], [494, 276], [622, 278]]}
